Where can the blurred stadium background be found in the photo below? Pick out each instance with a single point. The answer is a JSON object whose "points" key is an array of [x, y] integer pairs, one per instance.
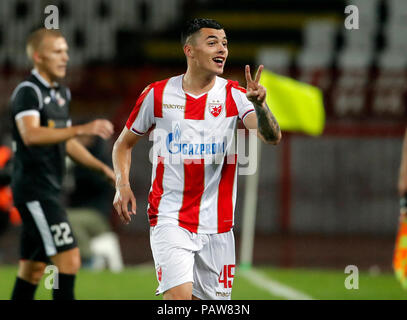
{"points": [[324, 202]]}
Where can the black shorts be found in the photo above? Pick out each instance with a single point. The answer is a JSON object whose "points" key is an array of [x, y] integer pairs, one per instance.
{"points": [[46, 230]]}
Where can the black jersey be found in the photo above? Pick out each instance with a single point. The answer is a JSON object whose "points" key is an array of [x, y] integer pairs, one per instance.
{"points": [[38, 170]]}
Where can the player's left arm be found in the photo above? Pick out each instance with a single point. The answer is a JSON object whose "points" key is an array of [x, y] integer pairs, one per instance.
{"points": [[263, 119], [81, 155]]}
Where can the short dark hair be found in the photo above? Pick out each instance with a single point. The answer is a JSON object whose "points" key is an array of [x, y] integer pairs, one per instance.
{"points": [[197, 24], [37, 36]]}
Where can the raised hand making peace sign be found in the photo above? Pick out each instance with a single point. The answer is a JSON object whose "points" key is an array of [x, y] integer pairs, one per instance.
{"points": [[263, 119], [256, 93]]}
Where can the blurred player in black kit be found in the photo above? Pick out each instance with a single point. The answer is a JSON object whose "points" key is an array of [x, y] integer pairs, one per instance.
{"points": [[43, 135]]}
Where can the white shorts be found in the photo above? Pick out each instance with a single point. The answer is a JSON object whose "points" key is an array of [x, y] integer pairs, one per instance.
{"points": [[206, 260]]}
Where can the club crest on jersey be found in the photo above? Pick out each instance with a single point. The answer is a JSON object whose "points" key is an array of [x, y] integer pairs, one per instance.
{"points": [[61, 101], [215, 108]]}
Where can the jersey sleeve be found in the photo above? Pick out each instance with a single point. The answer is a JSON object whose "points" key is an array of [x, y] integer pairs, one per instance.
{"points": [[244, 106], [142, 117], [25, 101]]}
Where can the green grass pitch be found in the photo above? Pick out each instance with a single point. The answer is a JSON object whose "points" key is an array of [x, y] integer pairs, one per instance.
{"points": [[139, 283]]}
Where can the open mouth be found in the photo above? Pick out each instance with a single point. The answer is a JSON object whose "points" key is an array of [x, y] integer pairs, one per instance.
{"points": [[219, 60]]}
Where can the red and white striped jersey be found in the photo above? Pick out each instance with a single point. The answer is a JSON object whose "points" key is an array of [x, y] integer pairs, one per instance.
{"points": [[194, 174]]}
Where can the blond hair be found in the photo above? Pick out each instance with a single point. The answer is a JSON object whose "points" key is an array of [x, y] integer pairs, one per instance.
{"points": [[36, 37]]}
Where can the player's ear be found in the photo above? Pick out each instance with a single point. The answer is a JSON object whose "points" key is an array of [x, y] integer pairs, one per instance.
{"points": [[188, 51], [36, 58]]}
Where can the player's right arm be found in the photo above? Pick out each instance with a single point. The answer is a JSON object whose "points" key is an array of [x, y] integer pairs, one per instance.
{"points": [[402, 183], [121, 164], [26, 108], [139, 122], [32, 133]]}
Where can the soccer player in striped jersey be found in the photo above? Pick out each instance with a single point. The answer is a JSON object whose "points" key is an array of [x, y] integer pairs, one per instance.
{"points": [[43, 135], [193, 193]]}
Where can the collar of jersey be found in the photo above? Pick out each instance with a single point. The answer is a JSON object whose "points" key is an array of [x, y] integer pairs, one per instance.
{"points": [[197, 96], [44, 82]]}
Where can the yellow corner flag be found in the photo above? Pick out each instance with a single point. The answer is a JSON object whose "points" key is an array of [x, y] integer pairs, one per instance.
{"points": [[297, 106]]}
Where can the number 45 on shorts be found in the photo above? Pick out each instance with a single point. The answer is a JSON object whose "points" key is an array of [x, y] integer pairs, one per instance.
{"points": [[226, 275]]}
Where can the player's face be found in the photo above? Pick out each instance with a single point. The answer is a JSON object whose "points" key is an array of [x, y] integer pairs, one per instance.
{"points": [[210, 50], [53, 57]]}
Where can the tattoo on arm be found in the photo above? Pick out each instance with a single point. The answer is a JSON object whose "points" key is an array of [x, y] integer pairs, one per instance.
{"points": [[267, 124]]}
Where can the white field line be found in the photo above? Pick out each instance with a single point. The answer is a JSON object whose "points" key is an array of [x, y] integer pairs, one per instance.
{"points": [[255, 277], [274, 287]]}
